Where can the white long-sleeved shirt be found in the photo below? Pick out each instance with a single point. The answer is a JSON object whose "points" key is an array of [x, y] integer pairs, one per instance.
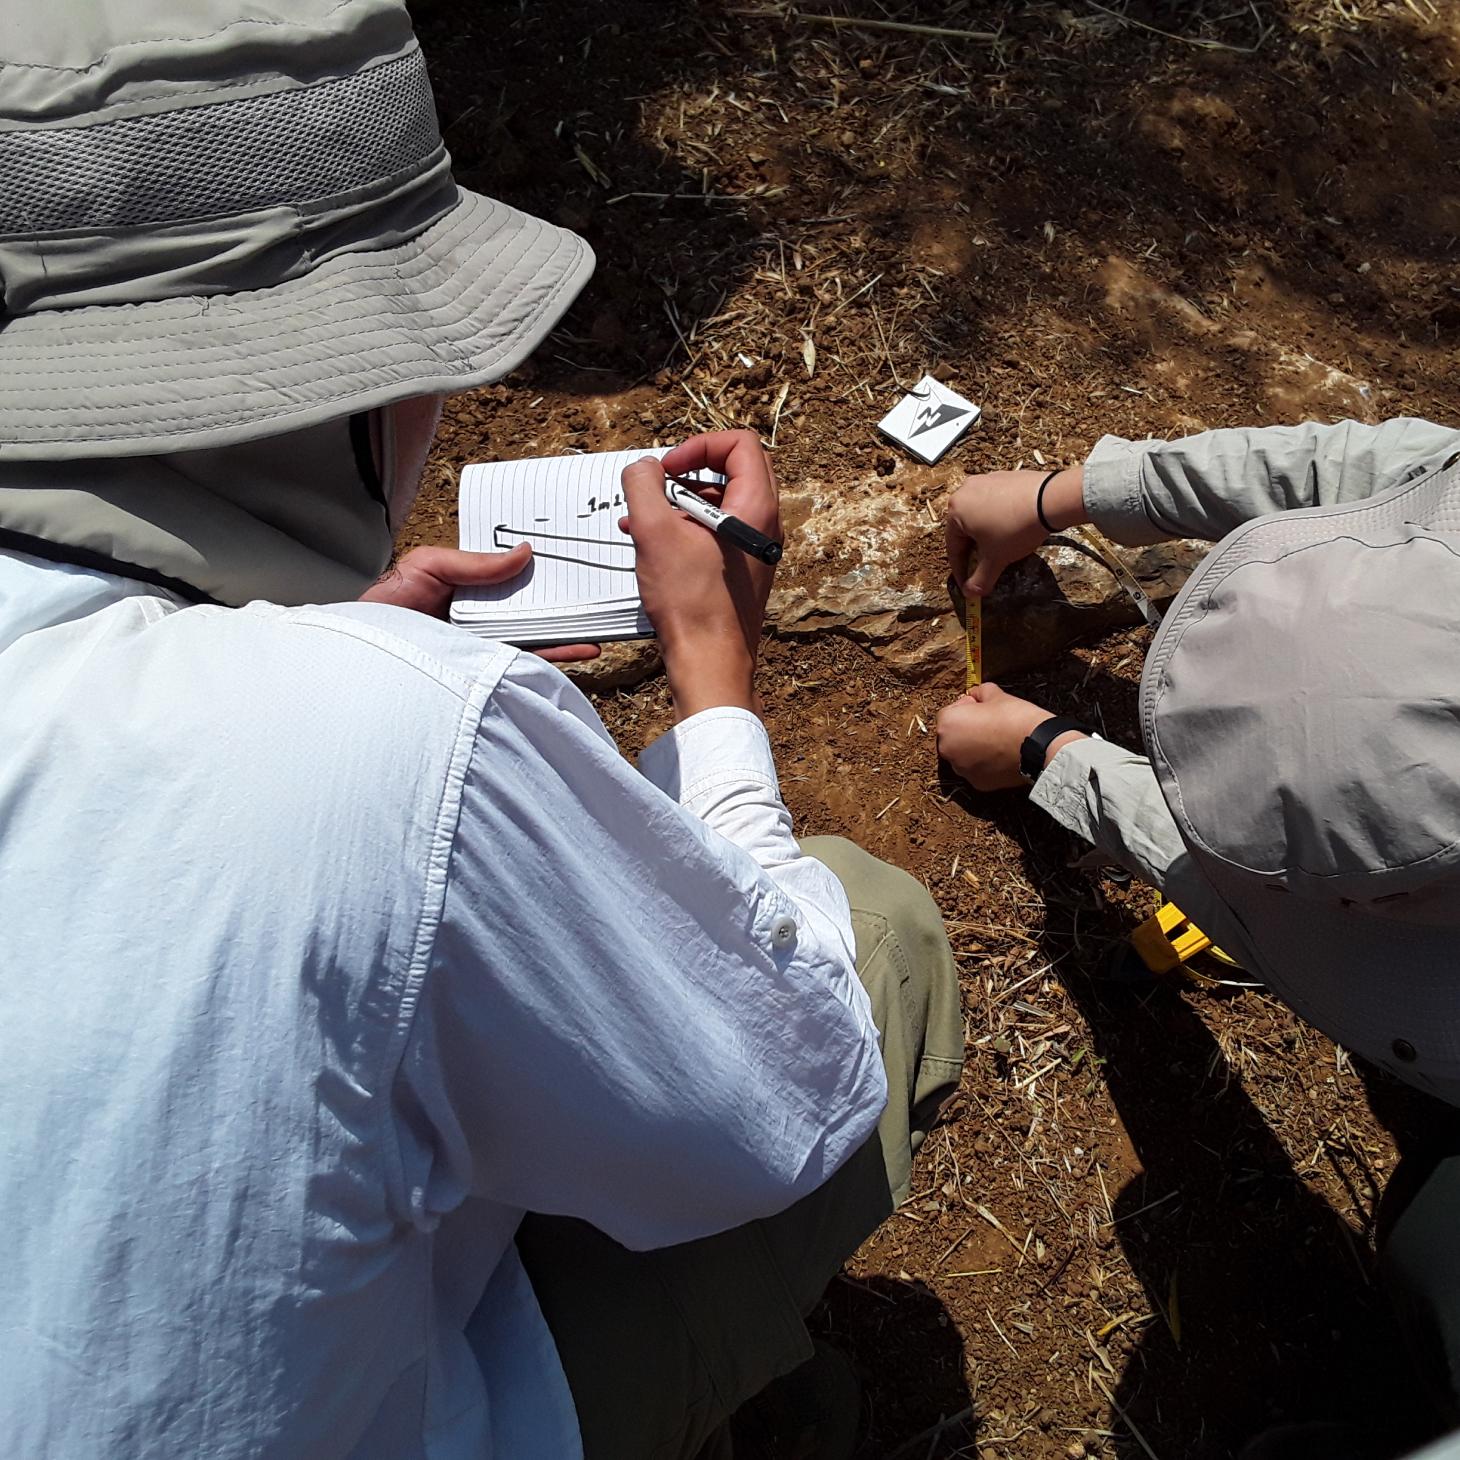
{"points": [[331, 940]]}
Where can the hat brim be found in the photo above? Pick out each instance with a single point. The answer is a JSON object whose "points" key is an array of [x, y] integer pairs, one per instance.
{"points": [[460, 305], [1380, 983], [1372, 984]]}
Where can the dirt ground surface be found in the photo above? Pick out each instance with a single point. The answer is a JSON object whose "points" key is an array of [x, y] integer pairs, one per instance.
{"points": [[1146, 1224]]}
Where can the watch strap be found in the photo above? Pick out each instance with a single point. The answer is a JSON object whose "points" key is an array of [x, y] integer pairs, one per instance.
{"points": [[1037, 742]]}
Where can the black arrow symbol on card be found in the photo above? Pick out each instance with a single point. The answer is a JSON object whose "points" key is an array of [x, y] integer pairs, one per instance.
{"points": [[932, 416]]}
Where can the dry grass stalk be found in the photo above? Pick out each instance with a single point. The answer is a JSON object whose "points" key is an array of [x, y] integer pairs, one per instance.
{"points": [[790, 15], [994, 1322], [1129, 1423], [1201, 42]]}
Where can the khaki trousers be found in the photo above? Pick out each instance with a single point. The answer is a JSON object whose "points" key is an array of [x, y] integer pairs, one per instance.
{"points": [[660, 1348]]}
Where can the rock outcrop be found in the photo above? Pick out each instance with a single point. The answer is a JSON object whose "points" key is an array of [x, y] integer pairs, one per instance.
{"points": [[1055, 599], [895, 600]]}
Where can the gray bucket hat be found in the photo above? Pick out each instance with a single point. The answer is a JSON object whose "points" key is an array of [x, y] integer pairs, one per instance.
{"points": [[224, 219], [1301, 706]]}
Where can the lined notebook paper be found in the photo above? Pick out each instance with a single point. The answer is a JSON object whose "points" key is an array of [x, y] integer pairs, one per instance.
{"points": [[580, 586]]}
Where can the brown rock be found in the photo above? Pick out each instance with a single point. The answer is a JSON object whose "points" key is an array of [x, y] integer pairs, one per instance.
{"points": [[1039, 608], [893, 602], [618, 667]]}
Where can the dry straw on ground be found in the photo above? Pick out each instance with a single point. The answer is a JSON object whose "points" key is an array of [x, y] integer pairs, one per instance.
{"points": [[1145, 1227]]}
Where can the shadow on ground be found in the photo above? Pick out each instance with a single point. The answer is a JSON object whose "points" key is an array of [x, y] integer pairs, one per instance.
{"points": [[1090, 227], [1082, 197], [1266, 1300], [909, 1357]]}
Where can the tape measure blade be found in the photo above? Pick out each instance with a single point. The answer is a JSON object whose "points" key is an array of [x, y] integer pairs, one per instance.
{"points": [[973, 639], [1123, 575]]}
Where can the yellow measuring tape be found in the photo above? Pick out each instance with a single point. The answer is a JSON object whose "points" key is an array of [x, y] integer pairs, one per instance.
{"points": [[970, 615], [1081, 539], [973, 641], [1169, 938]]}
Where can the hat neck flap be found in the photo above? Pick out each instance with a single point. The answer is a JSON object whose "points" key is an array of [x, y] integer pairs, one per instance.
{"points": [[297, 518]]}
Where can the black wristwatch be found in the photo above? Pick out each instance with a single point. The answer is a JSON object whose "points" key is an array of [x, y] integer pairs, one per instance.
{"points": [[1037, 742]]}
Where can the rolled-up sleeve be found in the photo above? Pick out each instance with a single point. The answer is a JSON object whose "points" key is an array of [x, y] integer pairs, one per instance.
{"points": [[719, 767], [1111, 798], [1139, 492], [642, 1007]]}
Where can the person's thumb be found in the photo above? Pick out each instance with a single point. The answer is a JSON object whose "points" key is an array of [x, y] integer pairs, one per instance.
{"points": [[985, 574], [644, 494], [462, 569]]}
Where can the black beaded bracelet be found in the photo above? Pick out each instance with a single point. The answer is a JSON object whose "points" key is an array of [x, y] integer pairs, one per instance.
{"points": [[1044, 521]]}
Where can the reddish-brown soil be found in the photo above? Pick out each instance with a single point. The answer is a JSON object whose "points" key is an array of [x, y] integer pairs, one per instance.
{"points": [[1145, 1227]]}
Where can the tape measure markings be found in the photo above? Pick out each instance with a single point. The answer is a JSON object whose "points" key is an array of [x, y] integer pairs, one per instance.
{"points": [[973, 639]]}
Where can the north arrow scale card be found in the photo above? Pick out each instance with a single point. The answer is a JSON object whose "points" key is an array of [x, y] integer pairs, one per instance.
{"points": [[928, 419]]}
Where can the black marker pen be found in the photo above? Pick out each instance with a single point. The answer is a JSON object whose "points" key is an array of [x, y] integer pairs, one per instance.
{"points": [[722, 524]]}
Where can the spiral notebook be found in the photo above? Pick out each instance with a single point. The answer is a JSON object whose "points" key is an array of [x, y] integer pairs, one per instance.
{"points": [[580, 586]]}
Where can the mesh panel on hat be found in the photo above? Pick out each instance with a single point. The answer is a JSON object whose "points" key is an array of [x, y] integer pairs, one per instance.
{"points": [[222, 157]]}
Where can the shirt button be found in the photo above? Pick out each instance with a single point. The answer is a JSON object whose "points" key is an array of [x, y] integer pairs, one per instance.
{"points": [[783, 931], [1404, 1050]]}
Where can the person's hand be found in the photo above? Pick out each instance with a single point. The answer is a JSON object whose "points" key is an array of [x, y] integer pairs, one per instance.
{"points": [[994, 515], [706, 602], [981, 733], [426, 578]]}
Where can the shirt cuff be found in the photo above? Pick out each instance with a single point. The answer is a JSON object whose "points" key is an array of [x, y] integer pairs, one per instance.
{"points": [[1112, 492], [708, 751], [1060, 789], [1111, 797]]}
